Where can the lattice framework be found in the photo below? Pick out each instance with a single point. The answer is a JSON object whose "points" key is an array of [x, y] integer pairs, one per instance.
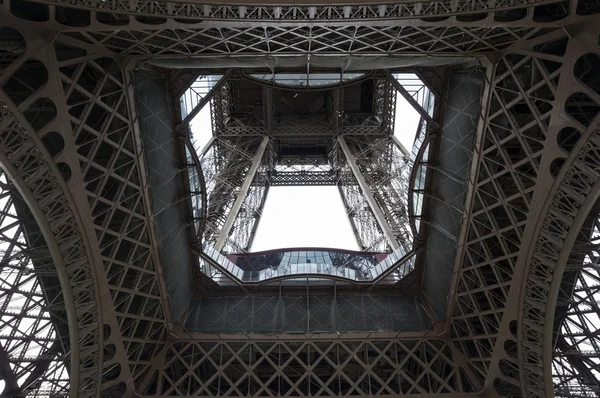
{"points": [[501, 320]]}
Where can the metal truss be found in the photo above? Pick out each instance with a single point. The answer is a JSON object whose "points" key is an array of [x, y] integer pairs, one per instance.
{"points": [[381, 121], [501, 197], [575, 351], [236, 181], [306, 176], [363, 222], [197, 95], [223, 38], [249, 200], [457, 13], [38, 183], [239, 171], [532, 96], [225, 120], [522, 310], [382, 172], [381, 367], [34, 332], [82, 161]]}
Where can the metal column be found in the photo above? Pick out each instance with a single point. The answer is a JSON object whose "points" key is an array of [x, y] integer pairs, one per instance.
{"points": [[383, 224], [202, 103], [241, 196]]}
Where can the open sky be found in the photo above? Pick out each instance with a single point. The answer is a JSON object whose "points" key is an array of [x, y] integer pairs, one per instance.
{"points": [[308, 216]]}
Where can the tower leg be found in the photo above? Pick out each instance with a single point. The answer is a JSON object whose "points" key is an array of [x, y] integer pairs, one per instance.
{"points": [[241, 194], [381, 221]]}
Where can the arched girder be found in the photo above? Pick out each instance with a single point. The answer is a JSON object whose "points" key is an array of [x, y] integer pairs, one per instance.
{"points": [[517, 156], [24, 159]]}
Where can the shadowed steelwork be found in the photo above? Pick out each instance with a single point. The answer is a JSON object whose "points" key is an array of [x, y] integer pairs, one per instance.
{"points": [[107, 202], [447, 197]]}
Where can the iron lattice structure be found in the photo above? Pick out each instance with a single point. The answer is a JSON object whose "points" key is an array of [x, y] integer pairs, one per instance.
{"points": [[84, 303], [295, 144]]}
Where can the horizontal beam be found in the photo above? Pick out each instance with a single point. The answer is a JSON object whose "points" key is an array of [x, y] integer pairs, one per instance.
{"points": [[441, 395], [303, 178], [354, 11]]}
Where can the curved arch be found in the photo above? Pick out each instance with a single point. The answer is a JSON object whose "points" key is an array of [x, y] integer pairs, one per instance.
{"points": [[552, 240], [417, 165], [561, 204], [189, 148], [24, 159], [567, 247]]}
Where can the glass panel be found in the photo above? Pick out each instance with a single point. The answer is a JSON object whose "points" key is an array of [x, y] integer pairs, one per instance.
{"points": [[307, 80], [426, 154], [356, 266]]}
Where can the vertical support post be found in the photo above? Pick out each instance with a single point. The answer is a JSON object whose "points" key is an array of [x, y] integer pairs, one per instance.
{"points": [[241, 196], [335, 109], [383, 224], [258, 217], [269, 112]]}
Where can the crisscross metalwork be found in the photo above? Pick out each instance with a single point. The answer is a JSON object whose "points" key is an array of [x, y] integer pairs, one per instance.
{"points": [[88, 306]]}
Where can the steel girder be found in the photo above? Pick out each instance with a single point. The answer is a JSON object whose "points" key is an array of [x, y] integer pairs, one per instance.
{"points": [[91, 173], [455, 13], [227, 164], [160, 30], [531, 194], [382, 185], [507, 264], [242, 195], [316, 368], [34, 342], [303, 178]]}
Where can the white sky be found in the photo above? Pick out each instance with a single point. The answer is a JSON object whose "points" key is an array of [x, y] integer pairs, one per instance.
{"points": [[308, 216], [304, 217]]}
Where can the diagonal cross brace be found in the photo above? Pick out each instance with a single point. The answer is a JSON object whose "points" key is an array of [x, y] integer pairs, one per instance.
{"points": [[205, 100], [241, 196], [411, 100], [379, 217]]}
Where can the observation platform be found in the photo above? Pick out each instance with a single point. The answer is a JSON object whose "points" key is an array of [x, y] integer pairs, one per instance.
{"points": [[300, 263]]}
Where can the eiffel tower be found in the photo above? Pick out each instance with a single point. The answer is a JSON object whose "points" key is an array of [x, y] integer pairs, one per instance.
{"points": [[126, 261]]}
